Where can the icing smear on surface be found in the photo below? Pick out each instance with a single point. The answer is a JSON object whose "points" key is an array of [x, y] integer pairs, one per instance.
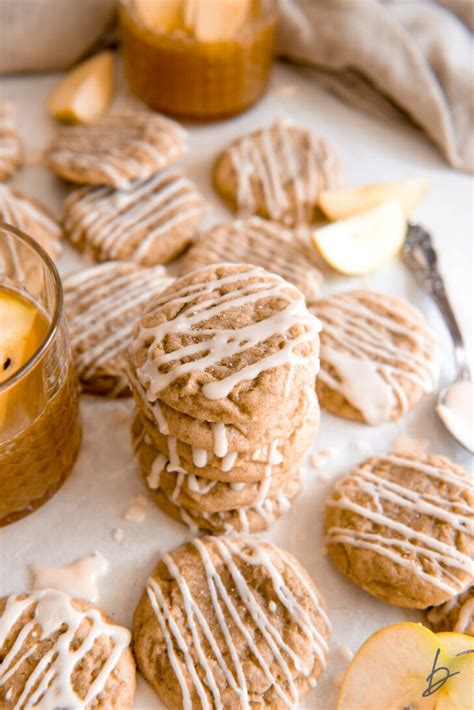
{"points": [[78, 579], [49, 685]]}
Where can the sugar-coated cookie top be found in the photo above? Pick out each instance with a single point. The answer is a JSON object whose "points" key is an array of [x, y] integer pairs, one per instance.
{"points": [[117, 149], [228, 622], [226, 343], [277, 172], [61, 652], [406, 525]]}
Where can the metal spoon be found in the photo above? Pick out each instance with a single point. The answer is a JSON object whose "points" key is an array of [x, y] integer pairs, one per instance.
{"points": [[421, 258]]}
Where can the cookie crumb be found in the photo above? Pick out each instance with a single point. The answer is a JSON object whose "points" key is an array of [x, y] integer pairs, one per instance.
{"points": [[117, 534], [362, 446], [345, 652], [321, 457], [410, 444], [136, 510]]}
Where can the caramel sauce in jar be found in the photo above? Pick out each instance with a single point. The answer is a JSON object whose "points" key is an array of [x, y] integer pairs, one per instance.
{"points": [[176, 73], [40, 429]]}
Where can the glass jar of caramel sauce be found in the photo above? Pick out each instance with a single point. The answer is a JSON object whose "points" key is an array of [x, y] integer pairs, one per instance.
{"points": [[40, 430], [198, 59]]}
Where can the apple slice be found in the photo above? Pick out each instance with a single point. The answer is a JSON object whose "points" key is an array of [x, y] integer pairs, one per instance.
{"points": [[361, 244], [86, 92], [163, 15], [391, 670], [339, 203], [218, 20]]}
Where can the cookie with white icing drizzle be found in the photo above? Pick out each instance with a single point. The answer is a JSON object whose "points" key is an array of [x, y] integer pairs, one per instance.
{"points": [[102, 304], [247, 519], [10, 143], [195, 493], [277, 172], [228, 343], [29, 215], [151, 222], [260, 242], [457, 614], [59, 652], [378, 356], [223, 439], [228, 622], [119, 148], [236, 466], [402, 527]]}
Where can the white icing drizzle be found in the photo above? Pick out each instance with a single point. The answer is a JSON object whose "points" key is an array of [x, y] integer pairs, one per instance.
{"points": [[200, 670], [228, 461], [110, 221], [120, 147], [220, 440], [262, 243], [158, 465], [406, 546], [78, 579], [277, 159], [17, 209], [466, 616], [361, 345], [215, 345], [50, 683], [199, 456], [102, 303]]}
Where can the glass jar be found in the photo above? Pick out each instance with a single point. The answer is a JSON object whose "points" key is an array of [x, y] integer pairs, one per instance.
{"points": [[176, 73], [40, 430]]}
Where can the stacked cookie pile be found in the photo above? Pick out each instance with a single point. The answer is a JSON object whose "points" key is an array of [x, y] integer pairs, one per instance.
{"points": [[222, 366]]}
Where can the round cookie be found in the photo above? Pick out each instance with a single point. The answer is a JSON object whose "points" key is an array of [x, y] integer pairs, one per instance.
{"points": [[219, 438], [228, 343], [227, 622], [151, 222], [457, 614], [378, 356], [119, 148], [277, 172], [402, 528], [102, 305], [10, 143], [60, 652], [260, 242], [248, 519], [235, 466], [30, 216], [198, 494]]}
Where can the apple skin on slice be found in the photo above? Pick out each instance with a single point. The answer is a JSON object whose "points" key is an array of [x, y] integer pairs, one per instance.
{"points": [[361, 244], [391, 671], [339, 203], [85, 93]]}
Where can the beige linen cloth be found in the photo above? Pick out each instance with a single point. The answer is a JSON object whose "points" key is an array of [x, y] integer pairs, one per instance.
{"points": [[385, 56], [392, 56]]}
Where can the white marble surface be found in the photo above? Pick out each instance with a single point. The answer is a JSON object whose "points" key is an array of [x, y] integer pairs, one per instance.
{"points": [[90, 506]]}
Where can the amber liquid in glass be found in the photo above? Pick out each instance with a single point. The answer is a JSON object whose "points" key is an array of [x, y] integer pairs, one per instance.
{"points": [[40, 431], [198, 80]]}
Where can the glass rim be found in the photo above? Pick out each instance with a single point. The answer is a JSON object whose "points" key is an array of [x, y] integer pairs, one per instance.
{"points": [[58, 307]]}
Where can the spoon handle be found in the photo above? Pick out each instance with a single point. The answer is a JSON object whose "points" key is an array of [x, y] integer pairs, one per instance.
{"points": [[421, 258]]}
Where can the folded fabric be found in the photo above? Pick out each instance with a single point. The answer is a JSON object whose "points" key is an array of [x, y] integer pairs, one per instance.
{"points": [[393, 57], [40, 35]]}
